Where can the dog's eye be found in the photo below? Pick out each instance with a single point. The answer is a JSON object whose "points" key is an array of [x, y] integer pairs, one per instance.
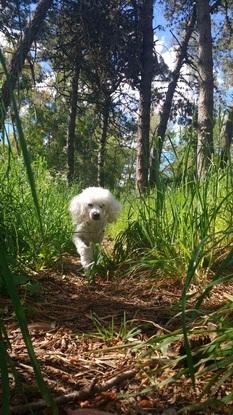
{"points": [[90, 205], [101, 206]]}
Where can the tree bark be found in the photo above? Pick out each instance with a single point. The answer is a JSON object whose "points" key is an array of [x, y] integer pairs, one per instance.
{"points": [[72, 123], [166, 108], [227, 136], [205, 147], [18, 59], [102, 145], [142, 158]]}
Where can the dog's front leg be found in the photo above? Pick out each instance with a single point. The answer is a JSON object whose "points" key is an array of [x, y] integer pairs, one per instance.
{"points": [[86, 255], [85, 251]]}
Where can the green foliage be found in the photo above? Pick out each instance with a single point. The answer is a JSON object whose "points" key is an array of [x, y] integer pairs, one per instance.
{"points": [[164, 229], [183, 230], [114, 331], [44, 122], [21, 228]]}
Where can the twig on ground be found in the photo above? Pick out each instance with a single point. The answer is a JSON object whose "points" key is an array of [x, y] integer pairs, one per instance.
{"points": [[83, 394]]}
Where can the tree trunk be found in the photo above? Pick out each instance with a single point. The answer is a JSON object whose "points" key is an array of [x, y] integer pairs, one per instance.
{"points": [[227, 136], [205, 146], [166, 108], [102, 145], [72, 123], [142, 159], [18, 59]]}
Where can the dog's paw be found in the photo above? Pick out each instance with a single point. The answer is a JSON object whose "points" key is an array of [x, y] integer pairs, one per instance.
{"points": [[90, 272]]}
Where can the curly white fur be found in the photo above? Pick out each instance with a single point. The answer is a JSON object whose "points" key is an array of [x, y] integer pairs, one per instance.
{"points": [[90, 211]]}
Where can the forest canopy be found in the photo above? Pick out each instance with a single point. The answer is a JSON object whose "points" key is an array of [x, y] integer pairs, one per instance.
{"points": [[121, 84]]}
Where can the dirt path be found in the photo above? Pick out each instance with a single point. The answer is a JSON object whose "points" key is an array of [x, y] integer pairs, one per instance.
{"points": [[79, 329]]}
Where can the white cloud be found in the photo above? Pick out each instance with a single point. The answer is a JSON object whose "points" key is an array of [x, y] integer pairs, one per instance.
{"points": [[168, 54], [3, 40]]}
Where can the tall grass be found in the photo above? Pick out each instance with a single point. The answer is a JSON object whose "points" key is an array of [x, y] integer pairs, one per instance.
{"points": [[164, 230], [183, 231], [8, 258], [30, 237], [24, 240]]}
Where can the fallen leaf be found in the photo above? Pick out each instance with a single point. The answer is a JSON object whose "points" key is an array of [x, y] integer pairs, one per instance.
{"points": [[146, 403]]}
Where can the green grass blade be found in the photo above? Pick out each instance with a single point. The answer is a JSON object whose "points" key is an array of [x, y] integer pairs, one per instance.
{"points": [[20, 315], [23, 145]]}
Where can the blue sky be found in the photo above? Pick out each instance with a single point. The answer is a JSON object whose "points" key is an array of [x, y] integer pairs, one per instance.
{"points": [[160, 20]]}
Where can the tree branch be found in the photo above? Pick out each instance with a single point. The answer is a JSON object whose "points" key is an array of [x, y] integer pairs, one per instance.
{"points": [[18, 59]]}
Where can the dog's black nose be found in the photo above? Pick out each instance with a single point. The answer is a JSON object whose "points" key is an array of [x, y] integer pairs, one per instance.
{"points": [[95, 215]]}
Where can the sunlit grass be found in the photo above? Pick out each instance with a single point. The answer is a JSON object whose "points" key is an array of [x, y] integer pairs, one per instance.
{"points": [[25, 242], [108, 332], [164, 234]]}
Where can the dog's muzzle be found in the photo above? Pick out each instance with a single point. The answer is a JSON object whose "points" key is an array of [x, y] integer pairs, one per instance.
{"points": [[95, 215]]}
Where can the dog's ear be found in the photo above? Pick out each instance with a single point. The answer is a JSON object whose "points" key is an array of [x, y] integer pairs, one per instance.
{"points": [[76, 209], [113, 209]]}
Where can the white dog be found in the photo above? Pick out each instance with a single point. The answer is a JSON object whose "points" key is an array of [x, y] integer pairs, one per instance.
{"points": [[91, 210]]}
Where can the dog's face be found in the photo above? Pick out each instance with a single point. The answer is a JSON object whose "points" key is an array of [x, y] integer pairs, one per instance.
{"points": [[94, 204], [96, 211]]}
